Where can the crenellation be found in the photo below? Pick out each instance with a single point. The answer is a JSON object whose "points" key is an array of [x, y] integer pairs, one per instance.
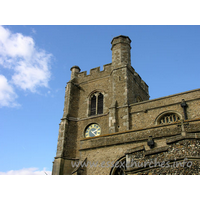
{"points": [[82, 74], [107, 67], [95, 73], [94, 70]]}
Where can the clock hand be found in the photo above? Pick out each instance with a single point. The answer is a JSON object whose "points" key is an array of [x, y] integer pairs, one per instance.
{"points": [[93, 133]]}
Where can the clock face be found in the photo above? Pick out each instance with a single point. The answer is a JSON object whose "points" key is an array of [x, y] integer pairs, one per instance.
{"points": [[93, 130]]}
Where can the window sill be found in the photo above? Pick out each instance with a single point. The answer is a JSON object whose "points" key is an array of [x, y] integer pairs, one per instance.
{"points": [[98, 115]]}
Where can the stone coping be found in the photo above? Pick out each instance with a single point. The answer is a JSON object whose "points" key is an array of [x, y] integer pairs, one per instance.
{"points": [[106, 142], [142, 129], [180, 137], [169, 96], [155, 150], [136, 149], [129, 131], [123, 36]]}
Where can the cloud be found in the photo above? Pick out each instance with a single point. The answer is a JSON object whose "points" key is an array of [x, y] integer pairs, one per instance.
{"points": [[15, 45], [27, 171], [29, 75], [33, 31], [7, 94], [29, 65]]}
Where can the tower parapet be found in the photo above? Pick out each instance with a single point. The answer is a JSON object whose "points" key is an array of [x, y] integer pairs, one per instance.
{"points": [[94, 73]]}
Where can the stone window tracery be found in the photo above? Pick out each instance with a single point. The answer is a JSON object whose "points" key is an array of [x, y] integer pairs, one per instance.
{"points": [[169, 118]]}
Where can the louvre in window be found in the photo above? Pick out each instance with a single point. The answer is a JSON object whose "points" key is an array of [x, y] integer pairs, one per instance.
{"points": [[93, 105], [100, 104]]}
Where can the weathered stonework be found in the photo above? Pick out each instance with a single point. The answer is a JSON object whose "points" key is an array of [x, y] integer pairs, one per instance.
{"points": [[182, 157], [127, 121]]}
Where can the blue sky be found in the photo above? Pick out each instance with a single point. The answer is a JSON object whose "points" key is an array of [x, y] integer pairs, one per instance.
{"points": [[35, 64]]}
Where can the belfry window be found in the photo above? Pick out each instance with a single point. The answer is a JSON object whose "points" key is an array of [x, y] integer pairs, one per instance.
{"points": [[96, 104], [100, 104], [93, 105]]}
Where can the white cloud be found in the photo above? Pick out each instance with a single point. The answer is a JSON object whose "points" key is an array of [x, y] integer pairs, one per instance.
{"points": [[27, 171], [30, 66], [7, 94], [33, 74], [15, 45]]}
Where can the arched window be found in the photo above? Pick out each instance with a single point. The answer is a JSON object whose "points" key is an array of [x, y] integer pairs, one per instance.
{"points": [[168, 117], [96, 104], [93, 105], [100, 104]]}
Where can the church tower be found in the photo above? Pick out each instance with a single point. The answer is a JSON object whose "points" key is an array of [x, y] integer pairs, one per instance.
{"points": [[97, 104]]}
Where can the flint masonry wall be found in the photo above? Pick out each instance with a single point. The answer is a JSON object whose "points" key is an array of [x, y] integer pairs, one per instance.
{"points": [[180, 158]]}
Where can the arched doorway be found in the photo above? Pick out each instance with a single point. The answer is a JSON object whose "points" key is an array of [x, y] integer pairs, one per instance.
{"points": [[119, 167]]}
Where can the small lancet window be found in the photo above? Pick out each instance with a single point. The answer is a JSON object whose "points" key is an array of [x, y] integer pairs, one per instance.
{"points": [[100, 104], [93, 105], [96, 104]]}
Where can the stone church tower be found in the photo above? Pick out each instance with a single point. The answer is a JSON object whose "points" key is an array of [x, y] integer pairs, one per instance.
{"points": [[109, 118]]}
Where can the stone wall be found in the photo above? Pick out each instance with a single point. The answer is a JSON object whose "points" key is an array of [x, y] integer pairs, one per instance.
{"points": [[125, 123], [144, 114]]}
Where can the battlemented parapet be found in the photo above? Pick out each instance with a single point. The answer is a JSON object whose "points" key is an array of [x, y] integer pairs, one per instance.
{"points": [[94, 73], [140, 82]]}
